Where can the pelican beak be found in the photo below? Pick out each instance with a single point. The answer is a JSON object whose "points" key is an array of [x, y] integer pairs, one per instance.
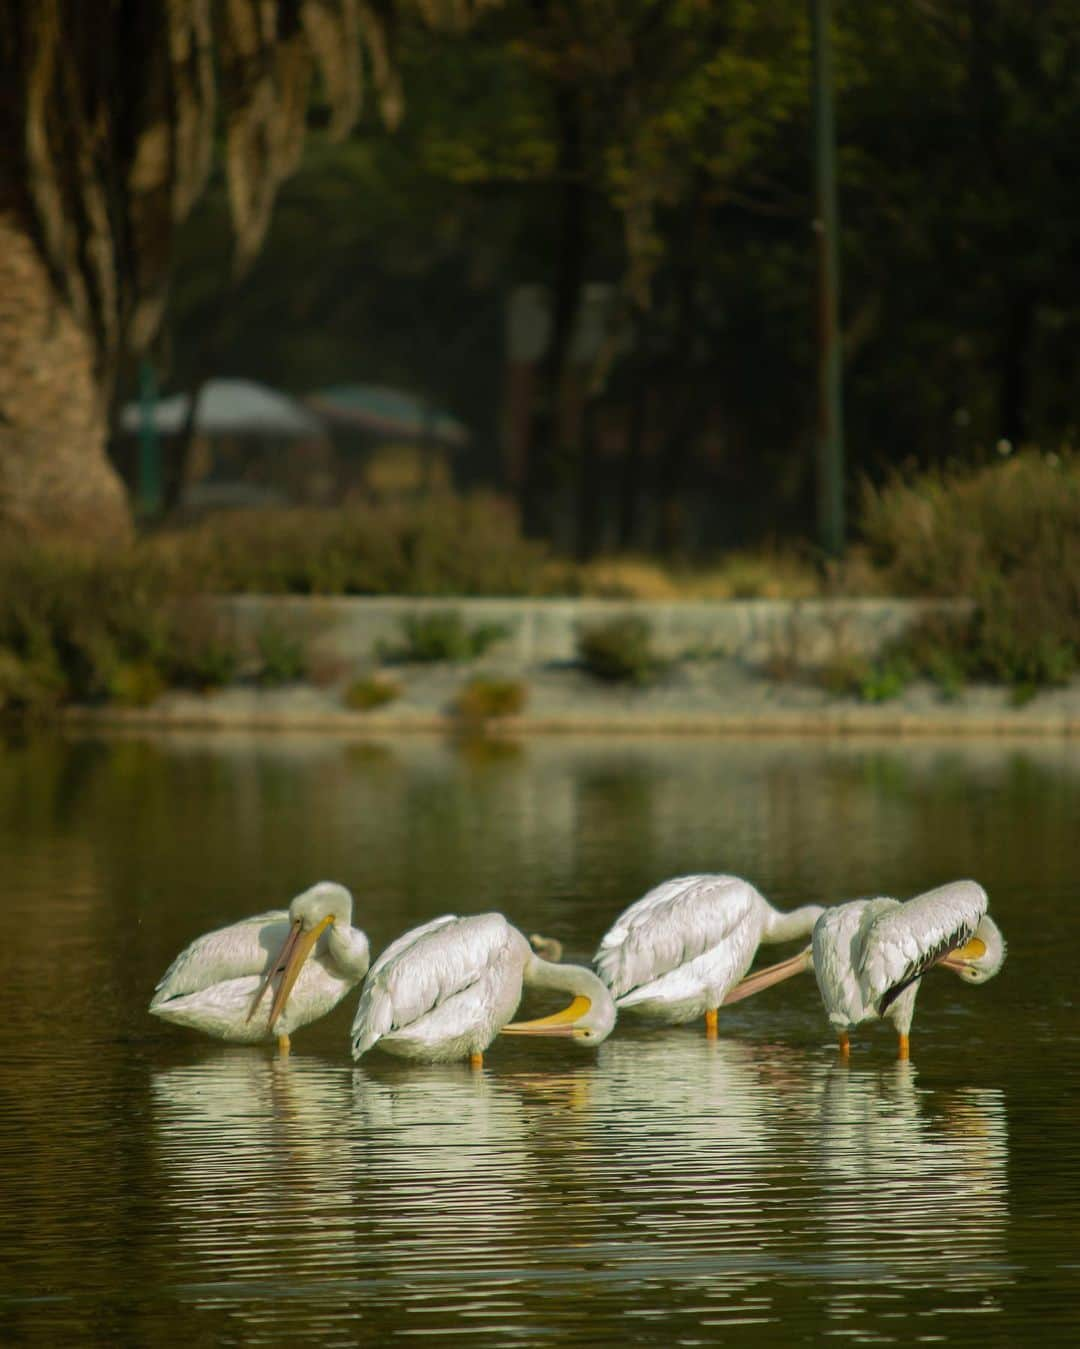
{"points": [[962, 956], [772, 974], [558, 1023], [297, 948]]}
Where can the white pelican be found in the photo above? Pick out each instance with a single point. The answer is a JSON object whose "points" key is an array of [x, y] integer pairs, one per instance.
{"points": [[870, 954], [217, 983], [443, 991], [676, 952]]}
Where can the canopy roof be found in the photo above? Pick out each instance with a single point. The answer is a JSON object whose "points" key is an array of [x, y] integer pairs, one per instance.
{"points": [[230, 407], [376, 408]]}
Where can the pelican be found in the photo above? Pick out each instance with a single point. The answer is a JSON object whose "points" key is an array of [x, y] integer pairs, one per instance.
{"points": [[676, 952], [869, 955], [217, 983], [443, 991]]}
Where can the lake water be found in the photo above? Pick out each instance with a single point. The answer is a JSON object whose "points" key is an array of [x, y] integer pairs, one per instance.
{"points": [[159, 1188]]}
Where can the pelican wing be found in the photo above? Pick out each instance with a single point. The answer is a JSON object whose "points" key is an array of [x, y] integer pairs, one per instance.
{"points": [[905, 942], [227, 953], [426, 967], [673, 924]]}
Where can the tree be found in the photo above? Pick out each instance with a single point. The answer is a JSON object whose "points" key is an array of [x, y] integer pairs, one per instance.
{"points": [[109, 118]]}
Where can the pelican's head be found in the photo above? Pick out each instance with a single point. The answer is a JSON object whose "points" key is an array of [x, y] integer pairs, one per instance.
{"points": [[310, 914], [547, 948], [320, 906], [588, 1019], [980, 958]]}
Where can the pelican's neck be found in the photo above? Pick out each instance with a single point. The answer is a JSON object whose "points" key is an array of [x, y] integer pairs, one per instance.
{"points": [[791, 926], [576, 979], [348, 949]]}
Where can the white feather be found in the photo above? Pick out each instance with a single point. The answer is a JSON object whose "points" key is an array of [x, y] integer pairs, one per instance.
{"points": [[678, 950]]}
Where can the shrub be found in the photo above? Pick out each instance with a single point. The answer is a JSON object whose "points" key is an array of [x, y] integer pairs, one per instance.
{"points": [[70, 618], [871, 681], [483, 699], [1005, 534], [441, 545], [619, 651], [136, 684], [364, 694], [282, 658], [201, 652], [443, 635]]}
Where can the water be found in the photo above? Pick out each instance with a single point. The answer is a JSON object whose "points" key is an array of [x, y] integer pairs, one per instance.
{"points": [[160, 1188]]}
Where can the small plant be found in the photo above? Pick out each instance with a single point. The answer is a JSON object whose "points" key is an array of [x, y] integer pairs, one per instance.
{"points": [[283, 658], [485, 699], [853, 676], [362, 695], [844, 675], [136, 684], [886, 680], [444, 635], [620, 651]]}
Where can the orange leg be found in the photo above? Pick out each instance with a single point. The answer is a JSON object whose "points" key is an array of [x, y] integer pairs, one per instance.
{"points": [[710, 1023], [845, 1045], [476, 1060], [904, 1048], [283, 1046]]}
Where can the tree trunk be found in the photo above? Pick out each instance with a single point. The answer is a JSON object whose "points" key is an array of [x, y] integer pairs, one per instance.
{"points": [[54, 474], [1014, 385], [552, 466]]}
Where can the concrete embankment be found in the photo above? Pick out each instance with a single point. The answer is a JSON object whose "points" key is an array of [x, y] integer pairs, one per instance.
{"points": [[733, 667]]}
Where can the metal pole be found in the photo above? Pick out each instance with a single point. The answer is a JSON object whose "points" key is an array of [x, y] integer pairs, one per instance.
{"points": [[149, 441], [830, 432]]}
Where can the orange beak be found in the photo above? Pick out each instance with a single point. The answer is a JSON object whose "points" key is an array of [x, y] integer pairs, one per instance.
{"points": [[558, 1023], [772, 974], [289, 961], [959, 958]]}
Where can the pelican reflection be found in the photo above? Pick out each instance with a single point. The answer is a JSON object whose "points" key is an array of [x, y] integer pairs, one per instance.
{"points": [[915, 1187], [253, 1151]]}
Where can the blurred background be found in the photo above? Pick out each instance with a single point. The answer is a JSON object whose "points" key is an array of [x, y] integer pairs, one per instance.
{"points": [[497, 293], [566, 250]]}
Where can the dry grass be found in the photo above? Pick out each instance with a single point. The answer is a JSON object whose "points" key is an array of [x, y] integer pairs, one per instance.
{"points": [[488, 699], [1006, 534], [764, 575]]}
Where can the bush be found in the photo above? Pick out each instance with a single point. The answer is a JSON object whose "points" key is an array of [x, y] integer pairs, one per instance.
{"points": [[483, 699], [282, 659], [1008, 536], [71, 618], [619, 651], [136, 683], [364, 694], [441, 545], [94, 626], [443, 635], [871, 681]]}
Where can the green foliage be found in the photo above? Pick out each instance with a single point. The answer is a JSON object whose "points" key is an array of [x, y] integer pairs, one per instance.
{"points": [[871, 681], [1006, 535], [620, 651], [443, 635], [136, 684], [70, 618], [94, 626], [485, 699], [202, 654], [283, 659], [372, 691]]}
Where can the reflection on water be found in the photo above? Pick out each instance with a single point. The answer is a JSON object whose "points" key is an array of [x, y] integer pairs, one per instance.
{"points": [[161, 1188], [670, 1165], [913, 1197]]}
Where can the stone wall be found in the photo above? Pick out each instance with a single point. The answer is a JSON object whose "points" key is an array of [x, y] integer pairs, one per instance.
{"points": [[753, 633]]}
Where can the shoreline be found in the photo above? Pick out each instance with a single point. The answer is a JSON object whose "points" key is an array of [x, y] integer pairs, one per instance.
{"points": [[704, 702]]}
